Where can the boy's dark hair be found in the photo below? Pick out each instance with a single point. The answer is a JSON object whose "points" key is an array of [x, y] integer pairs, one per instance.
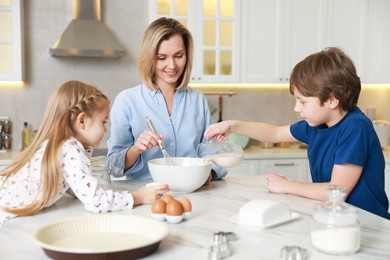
{"points": [[325, 73]]}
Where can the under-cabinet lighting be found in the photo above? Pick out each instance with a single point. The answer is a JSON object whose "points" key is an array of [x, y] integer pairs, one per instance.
{"points": [[11, 84], [241, 86], [375, 85], [255, 86]]}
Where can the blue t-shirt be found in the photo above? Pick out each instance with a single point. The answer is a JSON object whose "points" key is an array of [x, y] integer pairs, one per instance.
{"points": [[353, 140]]}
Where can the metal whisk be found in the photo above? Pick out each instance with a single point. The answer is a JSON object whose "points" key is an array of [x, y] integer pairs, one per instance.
{"points": [[168, 159]]}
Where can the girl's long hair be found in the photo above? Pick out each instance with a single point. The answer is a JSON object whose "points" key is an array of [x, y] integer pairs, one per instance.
{"points": [[69, 100]]}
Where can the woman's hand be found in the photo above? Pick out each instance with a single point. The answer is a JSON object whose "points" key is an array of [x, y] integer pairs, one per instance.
{"points": [[147, 195], [145, 141]]}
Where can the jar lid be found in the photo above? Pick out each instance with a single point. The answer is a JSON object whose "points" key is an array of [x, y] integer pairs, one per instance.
{"points": [[335, 211]]}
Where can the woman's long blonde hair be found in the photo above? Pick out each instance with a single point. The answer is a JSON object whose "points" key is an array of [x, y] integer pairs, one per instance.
{"points": [[69, 100], [160, 30]]}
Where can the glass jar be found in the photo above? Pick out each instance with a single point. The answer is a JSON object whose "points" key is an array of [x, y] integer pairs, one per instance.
{"points": [[335, 227], [7, 127], [6, 142]]}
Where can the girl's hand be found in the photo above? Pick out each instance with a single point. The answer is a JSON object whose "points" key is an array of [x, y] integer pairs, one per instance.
{"points": [[147, 195], [277, 183], [218, 131], [145, 141]]}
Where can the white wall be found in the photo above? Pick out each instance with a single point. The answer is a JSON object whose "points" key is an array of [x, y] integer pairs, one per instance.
{"points": [[44, 21]]}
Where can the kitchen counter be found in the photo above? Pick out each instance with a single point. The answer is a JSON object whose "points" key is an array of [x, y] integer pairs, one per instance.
{"points": [[294, 151], [256, 152], [7, 157], [213, 206]]}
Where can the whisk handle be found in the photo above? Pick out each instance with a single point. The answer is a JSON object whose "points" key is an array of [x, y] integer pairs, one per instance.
{"points": [[153, 129]]}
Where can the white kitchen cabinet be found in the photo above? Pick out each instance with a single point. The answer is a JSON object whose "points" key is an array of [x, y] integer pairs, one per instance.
{"points": [[378, 44], [11, 65], [276, 34], [214, 26], [347, 28], [247, 167], [292, 168]]}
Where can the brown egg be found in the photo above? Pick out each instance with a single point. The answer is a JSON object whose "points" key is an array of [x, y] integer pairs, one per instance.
{"points": [[186, 203], [167, 198], [174, 208], [158, 207]]}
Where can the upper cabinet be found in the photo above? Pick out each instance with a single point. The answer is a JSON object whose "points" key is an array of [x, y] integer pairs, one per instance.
{"points": [[274, 35], [278, 34], [11, 65], [214, 25], [347, 25], [378, 39]]}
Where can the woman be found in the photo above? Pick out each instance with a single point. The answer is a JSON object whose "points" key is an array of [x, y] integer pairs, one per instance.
{"points": [[179, 113]]}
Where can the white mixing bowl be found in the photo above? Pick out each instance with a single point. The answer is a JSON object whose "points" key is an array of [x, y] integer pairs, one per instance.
{"points": [[187, 176]]}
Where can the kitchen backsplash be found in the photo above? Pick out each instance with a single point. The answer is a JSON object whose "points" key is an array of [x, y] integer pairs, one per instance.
{"points": [[272, 106], [276, 106]]}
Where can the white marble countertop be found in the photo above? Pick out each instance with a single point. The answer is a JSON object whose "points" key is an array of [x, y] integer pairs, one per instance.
{"points": [[213, 207]]}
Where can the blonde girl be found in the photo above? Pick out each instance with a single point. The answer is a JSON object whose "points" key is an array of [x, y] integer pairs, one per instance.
{"points": [[59, 158]]}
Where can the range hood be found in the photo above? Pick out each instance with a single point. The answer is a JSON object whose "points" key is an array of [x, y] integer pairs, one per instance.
{"points": [[87, 35]]}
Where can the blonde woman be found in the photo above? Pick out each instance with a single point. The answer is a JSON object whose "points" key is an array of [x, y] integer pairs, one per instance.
{"points": [[59, 158], [179, 113]]}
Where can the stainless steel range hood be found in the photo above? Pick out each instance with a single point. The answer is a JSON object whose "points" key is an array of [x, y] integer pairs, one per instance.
{"points": [[87, 35]]}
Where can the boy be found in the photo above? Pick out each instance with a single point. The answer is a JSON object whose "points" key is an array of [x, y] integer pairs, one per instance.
{"points": [[343, 147]]}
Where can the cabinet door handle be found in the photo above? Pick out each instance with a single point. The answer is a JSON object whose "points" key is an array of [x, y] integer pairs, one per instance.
{"points": [[284, 164]]}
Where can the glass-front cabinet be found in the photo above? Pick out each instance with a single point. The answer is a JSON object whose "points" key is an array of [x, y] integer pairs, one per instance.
{"points": [[214, 25], [10, 41]]}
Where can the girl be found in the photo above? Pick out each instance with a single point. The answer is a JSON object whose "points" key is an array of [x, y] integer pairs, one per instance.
{"points": [[59, 158]]}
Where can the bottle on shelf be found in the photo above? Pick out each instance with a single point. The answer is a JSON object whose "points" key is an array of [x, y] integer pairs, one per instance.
{"points": [[25, 136], [7, 126], [6, 142]]}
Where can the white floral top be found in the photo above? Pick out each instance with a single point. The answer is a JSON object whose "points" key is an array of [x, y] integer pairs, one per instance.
{"points": [[23, 187]]}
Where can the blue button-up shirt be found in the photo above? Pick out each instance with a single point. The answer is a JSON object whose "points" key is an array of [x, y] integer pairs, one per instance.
{"points": [[182, 131]]}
